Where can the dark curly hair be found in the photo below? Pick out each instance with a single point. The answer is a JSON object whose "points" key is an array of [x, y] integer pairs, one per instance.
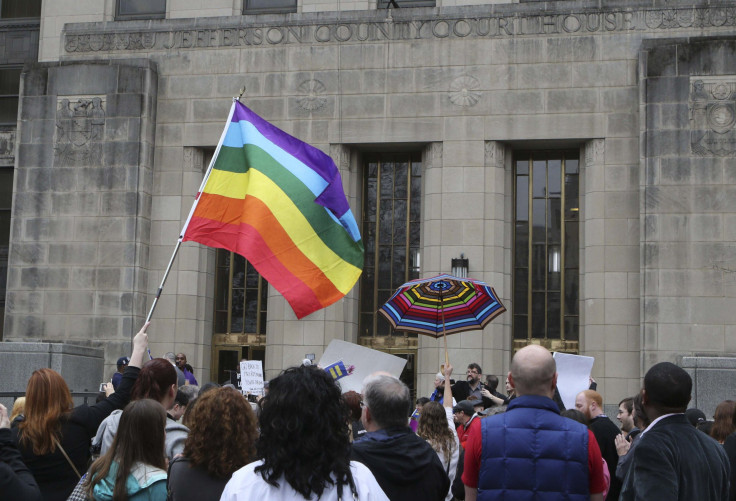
{"points": [[223, 432], [304, 432]]}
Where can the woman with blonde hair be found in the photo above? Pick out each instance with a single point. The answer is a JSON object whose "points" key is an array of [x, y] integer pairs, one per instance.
{"points": [[437, 427], [221, 440], [55, 436], [16, 415], [723, 421]]}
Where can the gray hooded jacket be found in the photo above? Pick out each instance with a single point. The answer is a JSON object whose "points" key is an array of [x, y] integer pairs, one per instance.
{"points": [[176, 435]]}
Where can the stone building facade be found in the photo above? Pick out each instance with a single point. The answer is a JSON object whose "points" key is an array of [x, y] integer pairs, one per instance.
{"points": [[578, 154]]}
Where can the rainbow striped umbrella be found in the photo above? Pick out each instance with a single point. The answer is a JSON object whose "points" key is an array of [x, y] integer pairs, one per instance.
{"points": [[442, 305]]}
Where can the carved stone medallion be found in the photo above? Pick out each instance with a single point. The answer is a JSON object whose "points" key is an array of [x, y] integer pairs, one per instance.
{"points": [[464, 91], [312, 97], [712, 106]]}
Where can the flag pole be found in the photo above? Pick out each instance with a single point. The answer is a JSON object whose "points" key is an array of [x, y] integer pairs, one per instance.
{"points": [[194, 206]]}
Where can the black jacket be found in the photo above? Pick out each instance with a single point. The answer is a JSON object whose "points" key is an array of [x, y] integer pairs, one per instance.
{"points": [[730, 447], [674, 461], [405, 465], [461, 391], [605, 434], [54, 475], [16, 480]]}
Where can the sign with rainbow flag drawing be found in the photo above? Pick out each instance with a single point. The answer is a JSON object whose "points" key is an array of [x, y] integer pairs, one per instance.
{"points": [[363, 361]]}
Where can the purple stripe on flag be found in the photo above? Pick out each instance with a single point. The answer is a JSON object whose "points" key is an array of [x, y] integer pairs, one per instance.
{"points": [[332, 197]]}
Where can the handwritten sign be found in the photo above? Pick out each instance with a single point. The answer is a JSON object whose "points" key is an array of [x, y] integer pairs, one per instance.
{"points": [[251, 377]]}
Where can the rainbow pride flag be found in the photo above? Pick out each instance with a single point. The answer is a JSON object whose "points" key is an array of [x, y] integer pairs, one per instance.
{"points": [[279, 203]]}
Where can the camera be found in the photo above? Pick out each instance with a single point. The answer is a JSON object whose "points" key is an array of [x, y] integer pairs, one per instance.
{"points": [[252, 398]]}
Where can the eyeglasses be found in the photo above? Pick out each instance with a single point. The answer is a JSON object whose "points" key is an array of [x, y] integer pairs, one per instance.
{"points": [[473, 371]]}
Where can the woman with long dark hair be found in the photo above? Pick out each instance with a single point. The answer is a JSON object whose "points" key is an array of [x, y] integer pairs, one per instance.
{"points": [[157, 381], [437, 427], [221, 440], [54, 438], [724, 421], [134, 468], [303, 449]]}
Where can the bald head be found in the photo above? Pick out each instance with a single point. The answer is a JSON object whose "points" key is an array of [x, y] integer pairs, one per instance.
{"points": [[533, 371]]}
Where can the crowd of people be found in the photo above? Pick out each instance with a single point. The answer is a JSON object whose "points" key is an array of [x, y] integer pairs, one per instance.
{"points": [[159, 436]]}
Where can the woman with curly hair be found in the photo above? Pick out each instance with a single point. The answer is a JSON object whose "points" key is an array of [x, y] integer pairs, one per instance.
{"points": [[221, 440], [54, 437], [134, 468], [304, 448], [436, 426], [724, 421]]}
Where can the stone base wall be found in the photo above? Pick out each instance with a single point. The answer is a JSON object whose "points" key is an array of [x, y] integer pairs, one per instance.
{"points": [[80, 366]]}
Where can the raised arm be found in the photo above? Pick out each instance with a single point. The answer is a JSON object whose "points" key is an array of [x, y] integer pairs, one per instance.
{"points": [[447, 399], [140, 344]]}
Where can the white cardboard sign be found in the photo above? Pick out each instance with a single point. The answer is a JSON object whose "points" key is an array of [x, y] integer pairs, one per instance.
{"points": [[365, 361], [573, 376], [251, 377]]}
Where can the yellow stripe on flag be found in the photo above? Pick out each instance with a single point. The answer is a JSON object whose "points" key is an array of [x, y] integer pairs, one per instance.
{"points": [[254, 183]]}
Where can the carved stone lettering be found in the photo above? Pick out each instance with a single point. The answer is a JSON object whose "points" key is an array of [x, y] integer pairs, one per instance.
{"points": [[340, 31], [712, 106]]}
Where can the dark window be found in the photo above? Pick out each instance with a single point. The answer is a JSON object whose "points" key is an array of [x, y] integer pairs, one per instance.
{"points": [[546, 248], [11, 9], [382, 4], [241, 296], [140, 9], [6, 199], [9, 88], [268, 6], [392, 189]]}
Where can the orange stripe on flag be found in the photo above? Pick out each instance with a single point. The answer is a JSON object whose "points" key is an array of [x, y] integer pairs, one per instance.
{"points": [[255, 214]]}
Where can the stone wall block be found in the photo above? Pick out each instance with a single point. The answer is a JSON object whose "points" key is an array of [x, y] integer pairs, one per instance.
{"points": [[74, 204], [82, 79], [38, 107], [44, 277], [668, 89], [125, 105], [34, 81], [570, 100], [82, 279], [121, 153], [33, 253], [47, 229], [660, 61], [72, 253], [118, 204], [35, 155]]}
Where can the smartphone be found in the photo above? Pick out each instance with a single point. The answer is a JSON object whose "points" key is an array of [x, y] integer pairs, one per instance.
{"points": [[102, 386]]}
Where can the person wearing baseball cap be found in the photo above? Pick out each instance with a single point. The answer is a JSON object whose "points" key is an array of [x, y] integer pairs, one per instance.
{"points": [[118, 376]]}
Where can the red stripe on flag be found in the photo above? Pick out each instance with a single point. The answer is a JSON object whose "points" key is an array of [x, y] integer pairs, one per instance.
{"points": [[268, 247]]}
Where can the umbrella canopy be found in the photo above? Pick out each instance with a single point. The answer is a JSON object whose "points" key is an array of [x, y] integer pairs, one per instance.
{"points": [[442, 304]]}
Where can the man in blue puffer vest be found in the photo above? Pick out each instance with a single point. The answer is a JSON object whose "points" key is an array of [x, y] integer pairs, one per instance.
{"points": [[530, 452]]}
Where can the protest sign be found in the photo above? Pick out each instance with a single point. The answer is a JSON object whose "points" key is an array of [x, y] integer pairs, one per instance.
{"points": [[251, 377], [364, 362], [573, 376]]}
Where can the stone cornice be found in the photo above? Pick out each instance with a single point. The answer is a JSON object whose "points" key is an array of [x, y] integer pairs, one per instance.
{"points": [[377, 26]]}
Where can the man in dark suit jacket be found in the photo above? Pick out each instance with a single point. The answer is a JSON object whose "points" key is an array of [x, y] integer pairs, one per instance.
{"points": [[673, 460]]}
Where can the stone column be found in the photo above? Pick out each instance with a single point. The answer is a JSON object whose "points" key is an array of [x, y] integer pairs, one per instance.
{"points": [[688, 185], [78, 265]]}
